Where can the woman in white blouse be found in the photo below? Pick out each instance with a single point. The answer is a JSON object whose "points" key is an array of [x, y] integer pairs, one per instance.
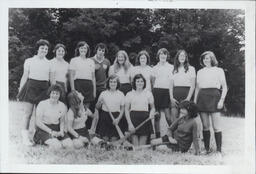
{"points": [[137, 110], [143, 67], [50, 120], [182, 83], [82, 73], [210, 93], [59, 69], [162, 73], [34, 83], [122, 68], [110, 101]]}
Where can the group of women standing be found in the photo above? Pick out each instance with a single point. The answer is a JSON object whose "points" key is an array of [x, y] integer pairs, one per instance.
{"points": [[91, 94]]}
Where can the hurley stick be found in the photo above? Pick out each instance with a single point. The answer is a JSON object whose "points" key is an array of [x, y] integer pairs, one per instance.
{"points": [[120, 133]]}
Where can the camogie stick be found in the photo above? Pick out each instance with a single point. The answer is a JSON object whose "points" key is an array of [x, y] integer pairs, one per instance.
{"points": [[128, 134], [120, 133]]}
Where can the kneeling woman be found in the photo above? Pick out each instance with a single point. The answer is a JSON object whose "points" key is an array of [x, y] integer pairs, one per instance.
{"points": [[76, 118], [137, 104], [183, 131], [50, 115], [111, 101]]}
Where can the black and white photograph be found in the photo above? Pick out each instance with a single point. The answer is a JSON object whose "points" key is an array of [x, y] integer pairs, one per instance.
{"points": [[130, 84]]}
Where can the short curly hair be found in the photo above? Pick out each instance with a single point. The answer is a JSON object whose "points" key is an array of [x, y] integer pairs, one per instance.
{"points": [[55, 87], [190, 106]]}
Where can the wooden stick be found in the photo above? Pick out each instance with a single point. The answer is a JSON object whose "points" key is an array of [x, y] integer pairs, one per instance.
{"points": [[120, 133]]}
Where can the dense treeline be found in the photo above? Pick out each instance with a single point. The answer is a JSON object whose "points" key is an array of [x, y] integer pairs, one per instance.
{"points": [[195, 30]]}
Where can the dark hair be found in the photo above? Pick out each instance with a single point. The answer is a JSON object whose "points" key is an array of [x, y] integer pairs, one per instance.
{"points": [[101, 46], [162, 50], [214, 61], [41, 42], [138, 76], [55, 87], [143, 52], [177, 62], [80, 44], [191, 107], [74, 102], [57, 46], [113, 77]]}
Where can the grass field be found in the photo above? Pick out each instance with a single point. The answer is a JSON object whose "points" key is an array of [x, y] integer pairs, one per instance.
{"points": [[233, 149]]}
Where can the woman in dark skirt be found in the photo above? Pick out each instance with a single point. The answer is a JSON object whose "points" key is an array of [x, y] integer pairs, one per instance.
{"points": [[183, 130], [182, 83], [50, 118], [34, 82], [76, 118], [210, 93], [122, 68], [82, 73], [162, 74], [137, 104], [59, 70], [110, 101]]}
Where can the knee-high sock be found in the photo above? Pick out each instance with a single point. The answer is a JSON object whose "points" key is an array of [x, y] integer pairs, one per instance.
{"points": [[218, 140], [206, 137]]}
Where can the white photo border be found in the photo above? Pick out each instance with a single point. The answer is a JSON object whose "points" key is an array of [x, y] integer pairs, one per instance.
{"points": [[247, 167]]}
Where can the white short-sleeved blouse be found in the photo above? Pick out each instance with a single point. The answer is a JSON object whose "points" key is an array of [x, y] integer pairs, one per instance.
{"points": [[113, 99], [139, 101], [84, 67], [124, 76], [182, 78], [39, 69], [51, 113], [163, 75], [59, 68], [210, 77]]}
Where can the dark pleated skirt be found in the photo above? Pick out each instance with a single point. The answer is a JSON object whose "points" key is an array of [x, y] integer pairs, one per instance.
{"points": [[105, 127], [33, 91], [82, 132], [207, 99], [86, 88], [138, 117], [161, 98], [125, 88], [180, 92], [41, 136]]}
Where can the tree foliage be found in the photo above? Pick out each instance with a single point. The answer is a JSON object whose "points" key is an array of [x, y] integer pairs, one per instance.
{"points": [[195, 30]]}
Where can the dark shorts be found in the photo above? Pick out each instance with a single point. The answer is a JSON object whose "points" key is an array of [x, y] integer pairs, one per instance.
{"points": [[138, 117], [86, 88], [207, 99], [82, 132], [125, 88], [105, 127], [33, 91], [161, 98], [41, 136]]}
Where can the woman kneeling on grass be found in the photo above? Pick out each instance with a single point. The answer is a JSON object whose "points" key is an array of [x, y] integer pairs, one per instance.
{"points": [[183, 131], [76, 118], [50, 115]]}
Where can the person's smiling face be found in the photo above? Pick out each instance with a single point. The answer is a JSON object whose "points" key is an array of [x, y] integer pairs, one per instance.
{"points": [[60, 52], [143, 60], [207, 60], [42, 50]]}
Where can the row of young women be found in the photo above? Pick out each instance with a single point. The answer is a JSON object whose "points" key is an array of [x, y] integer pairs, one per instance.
{"points": [[159, 88]]}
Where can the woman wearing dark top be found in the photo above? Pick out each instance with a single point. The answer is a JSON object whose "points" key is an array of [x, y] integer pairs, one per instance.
{"points": [[183, 131]]}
